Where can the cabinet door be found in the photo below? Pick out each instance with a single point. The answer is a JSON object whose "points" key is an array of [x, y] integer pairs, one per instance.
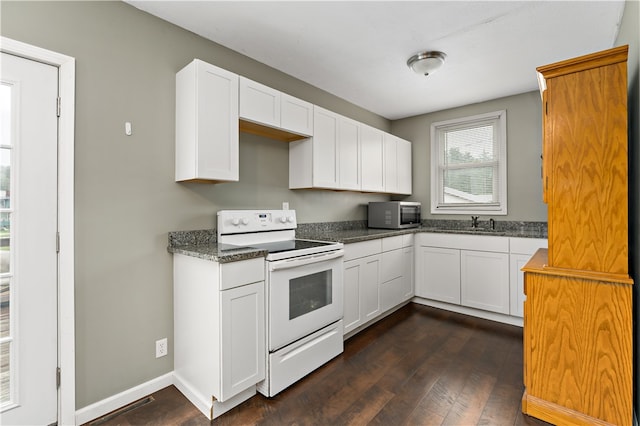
{"points": [[352, 282], [206, 123], [296, 115], [407, 274], [391, 279], [438, 274], [390, 163], [325, 150], [404, 167], [370, 296], [242, 338], [485, 280], [517, 261], [372, 159], [349, 154], [259, 103]]}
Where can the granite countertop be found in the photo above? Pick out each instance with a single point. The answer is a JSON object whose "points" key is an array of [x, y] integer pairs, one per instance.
{"points": [[203, 243]]}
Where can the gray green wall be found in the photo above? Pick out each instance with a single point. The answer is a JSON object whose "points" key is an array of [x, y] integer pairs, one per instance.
{"points": [[524, 146], [126, 199], [630, 34]]}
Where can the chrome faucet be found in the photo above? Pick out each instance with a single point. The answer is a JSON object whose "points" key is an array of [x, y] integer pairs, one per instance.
{"points": [[474, 221]]}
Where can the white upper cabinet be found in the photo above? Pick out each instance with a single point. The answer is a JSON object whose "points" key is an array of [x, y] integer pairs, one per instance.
{"points": [[397, 165], [296, 115], [269, 107], [349, 154], [325, 149], [259, 103], [331, 159], [372, 159], [390, 163], [206, 123]]}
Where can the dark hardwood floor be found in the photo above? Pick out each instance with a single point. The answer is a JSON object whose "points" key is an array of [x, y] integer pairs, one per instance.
{"points": [[419, 366]]}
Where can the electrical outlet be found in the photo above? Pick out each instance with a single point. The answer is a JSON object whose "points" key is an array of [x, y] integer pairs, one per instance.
{"points": [[161, 347]]}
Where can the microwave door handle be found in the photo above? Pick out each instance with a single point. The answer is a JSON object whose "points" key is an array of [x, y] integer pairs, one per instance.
{"points": [[305, 260]]}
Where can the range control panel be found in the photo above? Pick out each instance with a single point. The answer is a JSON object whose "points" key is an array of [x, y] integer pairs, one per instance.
{"points": [[243, 221]]}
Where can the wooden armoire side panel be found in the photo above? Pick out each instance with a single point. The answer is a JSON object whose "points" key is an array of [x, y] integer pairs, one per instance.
{"points": [[587, 137], [579, 340]]}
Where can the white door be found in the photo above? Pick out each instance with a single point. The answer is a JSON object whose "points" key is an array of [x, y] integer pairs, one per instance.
{"points": [[28, 224]]}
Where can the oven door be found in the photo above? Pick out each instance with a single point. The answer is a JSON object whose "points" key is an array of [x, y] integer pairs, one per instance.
{"points": [[305, 294]]}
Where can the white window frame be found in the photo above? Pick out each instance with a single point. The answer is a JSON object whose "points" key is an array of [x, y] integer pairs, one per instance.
{"points": [[437, 128]]}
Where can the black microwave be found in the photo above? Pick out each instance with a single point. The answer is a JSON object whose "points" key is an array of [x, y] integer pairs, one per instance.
{"points": [[394, 214]]}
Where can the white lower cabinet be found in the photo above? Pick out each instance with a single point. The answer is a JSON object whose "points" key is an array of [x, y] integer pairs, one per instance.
{"points": [[378, 276], [466, 270], [219, 331], [361, 280], [520, 251], [474, 271]]}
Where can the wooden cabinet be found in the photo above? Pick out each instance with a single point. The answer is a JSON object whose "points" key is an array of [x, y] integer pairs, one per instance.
{"points": [[219, 330], [269, 107], [578, 310], [585, 162], [206, 124]]}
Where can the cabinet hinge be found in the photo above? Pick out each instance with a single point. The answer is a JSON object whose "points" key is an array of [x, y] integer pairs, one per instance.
{"points": [[58, 107], [57, 242], [58, 373]]}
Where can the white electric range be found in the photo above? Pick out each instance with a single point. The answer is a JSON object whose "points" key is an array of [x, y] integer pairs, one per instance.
{"points": [[304, 292]]}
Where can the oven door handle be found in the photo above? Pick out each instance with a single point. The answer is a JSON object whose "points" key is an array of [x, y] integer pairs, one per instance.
{"points": [[304, 260]]}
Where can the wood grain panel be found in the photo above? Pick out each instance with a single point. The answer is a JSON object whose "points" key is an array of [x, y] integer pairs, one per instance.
{"points": [[579, 342], [587, 136]]}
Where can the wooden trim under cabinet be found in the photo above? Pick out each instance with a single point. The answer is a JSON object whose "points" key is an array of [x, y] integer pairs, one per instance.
{"points": [[269, 132]]}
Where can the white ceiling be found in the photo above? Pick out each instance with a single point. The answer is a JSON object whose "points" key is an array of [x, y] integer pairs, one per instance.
{"points": [[357, 50]]}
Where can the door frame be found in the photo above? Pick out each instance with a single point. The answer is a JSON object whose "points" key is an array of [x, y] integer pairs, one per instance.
{"points": [[66, 280]]}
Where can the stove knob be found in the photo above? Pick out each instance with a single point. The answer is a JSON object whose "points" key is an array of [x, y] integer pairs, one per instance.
{"points": [[283, 219], [290, 219], [235, 221], [245, 221]]}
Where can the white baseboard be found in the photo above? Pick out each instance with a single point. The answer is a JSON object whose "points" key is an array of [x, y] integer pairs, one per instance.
{"points": [[122, 399]]}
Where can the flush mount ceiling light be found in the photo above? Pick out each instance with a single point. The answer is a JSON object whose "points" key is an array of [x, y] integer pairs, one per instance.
{"points": [[426, 63]]}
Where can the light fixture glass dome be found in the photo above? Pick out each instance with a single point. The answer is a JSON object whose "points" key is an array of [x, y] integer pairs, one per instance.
{"points": [[426, 63]]}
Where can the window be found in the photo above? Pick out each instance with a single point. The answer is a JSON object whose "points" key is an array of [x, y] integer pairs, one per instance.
{"points": [[469, 165]]}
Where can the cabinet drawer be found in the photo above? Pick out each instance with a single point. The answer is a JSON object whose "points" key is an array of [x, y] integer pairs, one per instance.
{"points": [[407, 240], [526, 245], [362, 249], [392, 243], [235, 274]]}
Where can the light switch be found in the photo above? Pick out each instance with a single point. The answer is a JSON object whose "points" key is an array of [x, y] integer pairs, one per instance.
{"points": [[127, 128]]}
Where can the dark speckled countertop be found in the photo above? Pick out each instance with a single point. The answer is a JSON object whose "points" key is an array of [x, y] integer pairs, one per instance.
{"points": [[203, 243]]}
